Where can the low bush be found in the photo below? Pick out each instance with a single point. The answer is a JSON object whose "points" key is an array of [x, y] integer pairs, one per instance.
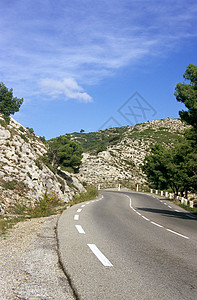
{"points": [[91, 194], [45, 206]]}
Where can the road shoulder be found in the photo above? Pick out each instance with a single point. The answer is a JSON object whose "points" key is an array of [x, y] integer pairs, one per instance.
{"points": [[29, 266]]}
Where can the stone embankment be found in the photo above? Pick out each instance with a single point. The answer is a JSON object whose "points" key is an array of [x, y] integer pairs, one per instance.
{"points": [[23, 174]]}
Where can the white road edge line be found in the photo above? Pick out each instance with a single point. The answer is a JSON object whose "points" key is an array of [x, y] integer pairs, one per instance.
{"points": [[156, 224], [185, 237], [100, 255], [80, 229], [79, 210], [145, 218], [76, 217]]}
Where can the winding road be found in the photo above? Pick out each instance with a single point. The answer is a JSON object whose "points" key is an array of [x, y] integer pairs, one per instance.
{"points": [[129, 246]]}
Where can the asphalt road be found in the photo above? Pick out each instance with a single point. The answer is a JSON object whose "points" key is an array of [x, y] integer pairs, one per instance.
{"points": [[129, 246]]}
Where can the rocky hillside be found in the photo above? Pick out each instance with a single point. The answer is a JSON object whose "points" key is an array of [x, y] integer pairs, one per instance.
{"points": [[23, 175], [114, 156], [111, 157]]}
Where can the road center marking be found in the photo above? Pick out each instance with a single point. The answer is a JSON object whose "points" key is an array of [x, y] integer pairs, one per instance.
{"points": [[80, 229], [100, 255], [79, 210], [76, 217]]}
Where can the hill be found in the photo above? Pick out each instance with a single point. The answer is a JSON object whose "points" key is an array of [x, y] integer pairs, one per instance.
{"points": [[114, 156], [23, 174], [111, 157]]}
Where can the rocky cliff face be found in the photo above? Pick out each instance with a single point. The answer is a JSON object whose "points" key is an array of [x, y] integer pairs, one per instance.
{"points": [[22, 172], [120, 163]]}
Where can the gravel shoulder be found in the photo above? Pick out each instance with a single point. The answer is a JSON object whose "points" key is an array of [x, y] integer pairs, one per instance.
{"points": [[29, 267]]}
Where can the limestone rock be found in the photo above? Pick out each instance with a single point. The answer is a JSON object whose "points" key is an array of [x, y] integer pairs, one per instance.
{"points": [[22, 172]]}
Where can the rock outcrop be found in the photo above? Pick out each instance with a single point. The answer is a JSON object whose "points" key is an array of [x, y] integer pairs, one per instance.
{"points": [[120, 163], [23, 175]]}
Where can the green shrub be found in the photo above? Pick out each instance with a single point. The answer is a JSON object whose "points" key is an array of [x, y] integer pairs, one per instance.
{"points": [[30, 129], [9, 185], [21, 128], [24, 137], [38, 164], [91, 194], [45, 206], [7, 119]]}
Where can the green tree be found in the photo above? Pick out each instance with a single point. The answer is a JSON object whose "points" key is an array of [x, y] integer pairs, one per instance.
{"points": [[8, 104], [187, 94], [65, 153], [173, 168], [176, 167]]}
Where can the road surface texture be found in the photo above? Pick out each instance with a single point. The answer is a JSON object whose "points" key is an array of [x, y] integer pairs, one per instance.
{"points": [[129, 246]]}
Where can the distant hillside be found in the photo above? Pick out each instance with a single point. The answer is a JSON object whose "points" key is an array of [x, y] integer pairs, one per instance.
{"points": [[115, 155]]}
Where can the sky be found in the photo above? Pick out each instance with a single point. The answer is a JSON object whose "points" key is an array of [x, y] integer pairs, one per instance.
{"points": [[95, 64]]}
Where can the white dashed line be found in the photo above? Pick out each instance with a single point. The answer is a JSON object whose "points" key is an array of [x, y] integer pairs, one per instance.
{"points": [[79, 210], [83, 205], [76, 217], [100, 255], [80, 229], [177, 210], [169, 206], [165, 203]]}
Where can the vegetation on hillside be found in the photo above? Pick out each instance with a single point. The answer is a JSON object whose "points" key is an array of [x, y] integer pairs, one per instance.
{"points": [[8, 104], [64, 153], [95, 142], [99, 140], [48, 204], [175, 168]]}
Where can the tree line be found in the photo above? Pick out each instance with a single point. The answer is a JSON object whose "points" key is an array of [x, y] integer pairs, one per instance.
{"points": [[175, 168]]}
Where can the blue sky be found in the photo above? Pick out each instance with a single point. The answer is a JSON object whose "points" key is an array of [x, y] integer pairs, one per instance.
{"points": [[90, 65]]}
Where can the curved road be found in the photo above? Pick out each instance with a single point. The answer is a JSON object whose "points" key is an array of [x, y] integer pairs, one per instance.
{"points": [[129, 246]]}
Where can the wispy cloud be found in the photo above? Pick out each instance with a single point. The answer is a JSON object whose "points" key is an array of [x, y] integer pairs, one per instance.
{"points": [[67, 46], [68, 87]]}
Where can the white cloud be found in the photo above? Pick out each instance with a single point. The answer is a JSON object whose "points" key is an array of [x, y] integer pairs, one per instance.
{"points": [[85, 40], [68, 87]]}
